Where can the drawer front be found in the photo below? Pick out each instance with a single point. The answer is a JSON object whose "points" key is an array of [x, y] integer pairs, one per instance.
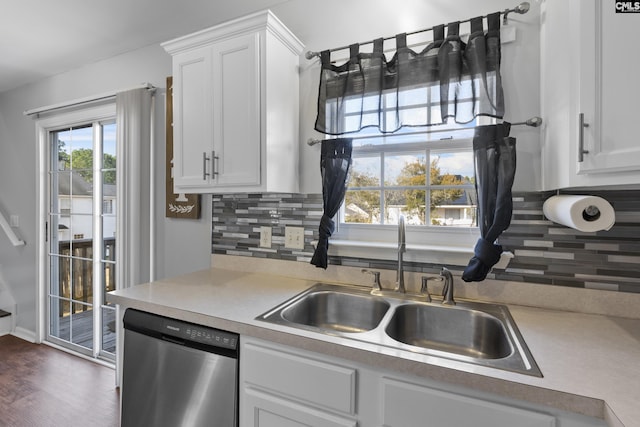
{"points": [[299, 378], [265, 410]]}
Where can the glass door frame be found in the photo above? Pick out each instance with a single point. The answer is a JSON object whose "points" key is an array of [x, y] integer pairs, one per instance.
{"points": [[97, 116]]}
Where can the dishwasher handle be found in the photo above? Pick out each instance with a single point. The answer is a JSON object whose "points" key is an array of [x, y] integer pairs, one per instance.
{"points": [[172, 339]]}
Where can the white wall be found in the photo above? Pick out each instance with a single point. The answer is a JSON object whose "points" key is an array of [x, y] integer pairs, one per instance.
{"points": [[185, 245]]}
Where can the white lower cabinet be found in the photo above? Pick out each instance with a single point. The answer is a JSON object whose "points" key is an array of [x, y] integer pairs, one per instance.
{"points": [[405, 404], [282, 386]]}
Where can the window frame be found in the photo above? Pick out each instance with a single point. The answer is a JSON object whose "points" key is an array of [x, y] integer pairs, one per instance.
{"points": [[444, 244], [425, 243]]}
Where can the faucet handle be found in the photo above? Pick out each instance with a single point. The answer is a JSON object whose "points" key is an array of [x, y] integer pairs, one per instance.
{"points": [[376, 278], [424, 290]]}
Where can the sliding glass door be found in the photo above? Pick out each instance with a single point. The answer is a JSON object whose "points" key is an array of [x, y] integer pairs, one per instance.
{"points": [[82, 238]]}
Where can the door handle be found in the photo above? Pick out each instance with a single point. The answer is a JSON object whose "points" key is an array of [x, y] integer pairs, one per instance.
{"points": [[214, 160], [581, 126], [204, 166]]}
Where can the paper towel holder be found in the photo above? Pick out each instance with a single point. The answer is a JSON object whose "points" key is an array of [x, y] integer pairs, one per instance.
{"points": [[591, 213]]}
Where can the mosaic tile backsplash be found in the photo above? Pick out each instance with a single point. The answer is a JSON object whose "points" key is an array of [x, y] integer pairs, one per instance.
{"points": [[545, 253]]}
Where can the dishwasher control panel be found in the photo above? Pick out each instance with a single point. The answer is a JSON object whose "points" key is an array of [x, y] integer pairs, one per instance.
{"points": [[200, 334]]}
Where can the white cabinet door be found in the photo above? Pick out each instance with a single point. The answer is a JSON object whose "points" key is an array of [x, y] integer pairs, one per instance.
{"points": [[587, 76], [409, 405], [236, 106], [610, 92], [192, 119]]}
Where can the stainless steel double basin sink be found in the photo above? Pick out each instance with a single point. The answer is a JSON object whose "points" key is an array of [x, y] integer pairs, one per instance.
{"points": [[469, 332]]}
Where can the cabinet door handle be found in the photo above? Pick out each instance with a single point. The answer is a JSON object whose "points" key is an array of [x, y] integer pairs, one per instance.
{"points": [[213, 163], [581, 126], [204, 166]]}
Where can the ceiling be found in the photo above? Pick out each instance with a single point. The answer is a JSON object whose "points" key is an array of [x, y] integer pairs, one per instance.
{"points": [[41, 38]]}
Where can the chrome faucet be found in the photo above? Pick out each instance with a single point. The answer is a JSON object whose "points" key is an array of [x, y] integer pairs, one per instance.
{"points": [[447, 290], [402, 248]]}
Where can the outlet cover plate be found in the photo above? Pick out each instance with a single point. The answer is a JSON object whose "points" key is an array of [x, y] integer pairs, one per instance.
{"points": [[294, 237], [265, 237]]}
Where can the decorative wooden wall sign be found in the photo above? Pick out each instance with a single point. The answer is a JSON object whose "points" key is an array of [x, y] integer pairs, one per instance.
{"points": [[177, 205]]}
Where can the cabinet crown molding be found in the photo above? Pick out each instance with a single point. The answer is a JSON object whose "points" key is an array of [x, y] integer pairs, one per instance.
{"points": [[259, 21]]}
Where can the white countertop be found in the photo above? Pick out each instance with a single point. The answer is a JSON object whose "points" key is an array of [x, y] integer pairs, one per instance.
{"points": [[590, 363]]}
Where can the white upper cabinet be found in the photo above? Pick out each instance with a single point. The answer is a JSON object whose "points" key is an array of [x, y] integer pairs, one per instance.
{"points": [[235, 107], [590, 99]]}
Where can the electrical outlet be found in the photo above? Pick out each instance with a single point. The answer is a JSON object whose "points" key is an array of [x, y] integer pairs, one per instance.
{"points": [[265, 237], [14, 221], [294, 237]]}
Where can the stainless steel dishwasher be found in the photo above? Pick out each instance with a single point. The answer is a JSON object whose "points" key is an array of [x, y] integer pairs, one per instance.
{"points": [[178, 374]]}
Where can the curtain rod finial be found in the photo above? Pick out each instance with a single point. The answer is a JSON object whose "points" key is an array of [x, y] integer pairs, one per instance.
{"points": [[310, 55], [521, 9], [534, 121]]}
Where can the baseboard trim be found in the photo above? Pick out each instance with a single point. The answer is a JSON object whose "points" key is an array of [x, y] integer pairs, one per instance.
{"points": [[24, 334]]}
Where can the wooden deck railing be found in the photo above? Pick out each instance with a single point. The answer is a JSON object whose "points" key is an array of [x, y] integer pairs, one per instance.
{"points": [[76, 276]]}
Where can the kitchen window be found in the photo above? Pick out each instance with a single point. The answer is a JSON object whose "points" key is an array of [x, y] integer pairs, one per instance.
{"points": [[423, 173], [412, 119], [430, 184]]}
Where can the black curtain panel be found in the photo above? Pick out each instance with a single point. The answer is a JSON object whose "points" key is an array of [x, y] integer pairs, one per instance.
{"points": [[495, 166], [449, 78], [335, 162]]}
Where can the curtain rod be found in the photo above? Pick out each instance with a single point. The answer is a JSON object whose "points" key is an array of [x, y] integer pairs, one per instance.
{"points": [[533, 122], [86, 100], [521, 9]]}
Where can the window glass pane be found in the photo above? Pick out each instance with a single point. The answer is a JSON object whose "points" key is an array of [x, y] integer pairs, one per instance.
{"points": [[109, 147], [60, 319], [352, 121], [405, 170], [82, 289], [362, 206], [414, 97], [61, 181], [410, 203], [109, 270], [371, 103], [80, 232], [451, 168], [352, 105], [61, 275], [362, 142], [109, 205], [82, 325], [64, 150], [365, 172], [109, 329], [81, 192], [453, 207], [80, 143]]}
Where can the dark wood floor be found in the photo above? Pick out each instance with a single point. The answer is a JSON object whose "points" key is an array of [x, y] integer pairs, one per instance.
{"points": [[41, 386]]}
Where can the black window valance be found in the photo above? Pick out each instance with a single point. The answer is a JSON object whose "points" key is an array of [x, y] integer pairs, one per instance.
{"points": [[448, 79]]}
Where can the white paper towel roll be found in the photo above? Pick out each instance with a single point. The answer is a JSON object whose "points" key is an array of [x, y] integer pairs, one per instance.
{"points": [[584, 213]]}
